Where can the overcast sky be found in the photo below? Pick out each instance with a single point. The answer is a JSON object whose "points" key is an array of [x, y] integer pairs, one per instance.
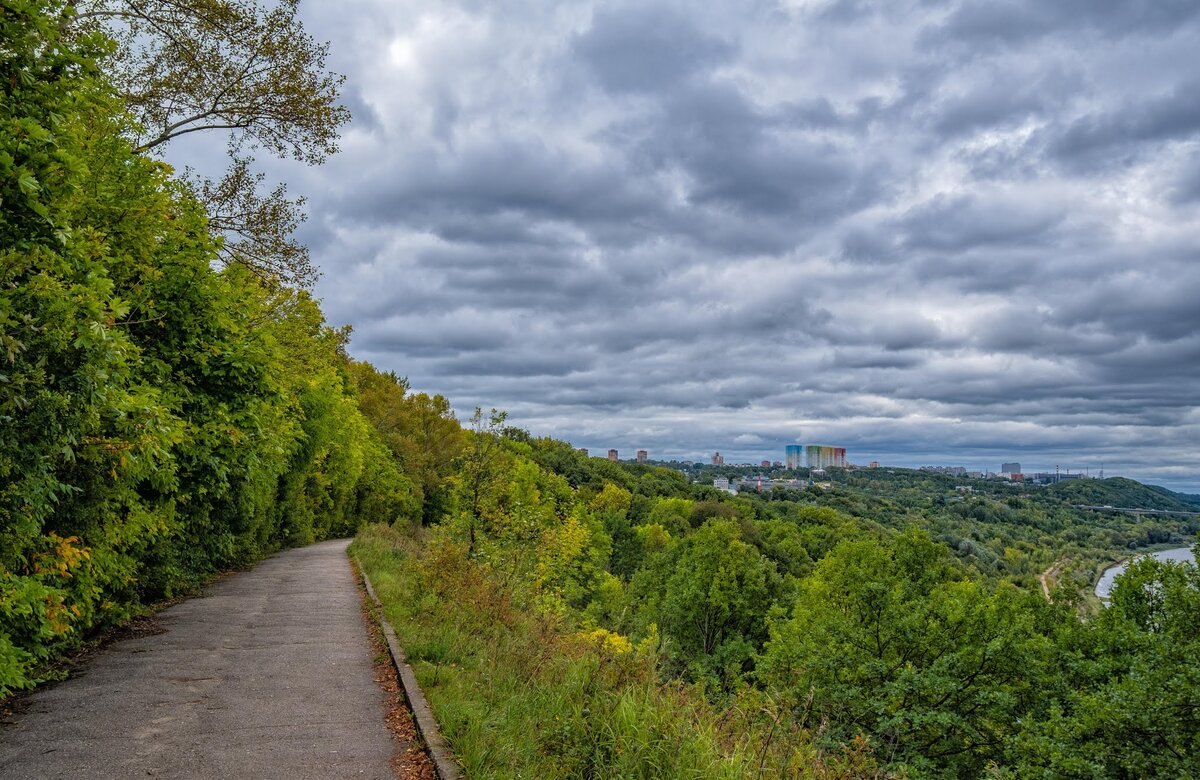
{"points": [[931, 232]]}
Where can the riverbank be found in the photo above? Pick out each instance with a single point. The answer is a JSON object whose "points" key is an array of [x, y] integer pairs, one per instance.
{"points": [[1163, 552]]}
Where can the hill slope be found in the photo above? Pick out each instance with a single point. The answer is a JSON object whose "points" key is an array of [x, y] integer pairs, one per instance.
{"points": [[1118, 491]]}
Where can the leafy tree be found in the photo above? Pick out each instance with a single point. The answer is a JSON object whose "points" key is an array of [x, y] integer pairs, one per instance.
{"points": [[612, 506], [421, 431], [159, 420], [889, 641], [1129, 706], [714, 602], [673, 514], [68, 405], [783, 543], [481, 468], [235, 67]]}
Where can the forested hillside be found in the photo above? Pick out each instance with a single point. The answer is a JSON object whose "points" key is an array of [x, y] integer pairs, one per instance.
{"points": [[874, 628], [1121, 492]]}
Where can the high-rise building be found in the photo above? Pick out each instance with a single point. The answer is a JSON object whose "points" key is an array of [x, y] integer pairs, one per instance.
{"points": [[873, 464], [612, 454], [1010, 468], [642, 456], [766, 464], [794, 456], [583, 451], [718, 459], [819, 457]]}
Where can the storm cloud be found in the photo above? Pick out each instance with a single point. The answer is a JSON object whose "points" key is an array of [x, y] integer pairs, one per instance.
{"points": [[932, 232]]}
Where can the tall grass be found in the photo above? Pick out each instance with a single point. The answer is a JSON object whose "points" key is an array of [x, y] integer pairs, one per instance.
{"points": [[518, 696]]}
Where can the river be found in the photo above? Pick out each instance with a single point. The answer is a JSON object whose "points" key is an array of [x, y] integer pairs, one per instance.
{"points": [[1105, 585]]}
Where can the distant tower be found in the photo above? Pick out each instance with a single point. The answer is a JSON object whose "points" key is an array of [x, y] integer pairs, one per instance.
{"points": [[642, 456], [819, 457], [794, 456], [612, 454], [1011, 468], [718, 459], [583, 451]]}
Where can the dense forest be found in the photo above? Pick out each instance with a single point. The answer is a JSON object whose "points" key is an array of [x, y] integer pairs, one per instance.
{"points": [[169, 411]]}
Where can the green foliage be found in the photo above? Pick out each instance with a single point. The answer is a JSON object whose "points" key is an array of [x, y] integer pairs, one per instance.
{"points": [[518, 697], [159, 421], [890, 641], [878, 628], [421, 432], [1119, 492], [1128, 704], [714, 602]]}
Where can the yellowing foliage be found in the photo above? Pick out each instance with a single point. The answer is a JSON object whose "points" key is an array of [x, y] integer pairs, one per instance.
{"points": [[608, 641]]}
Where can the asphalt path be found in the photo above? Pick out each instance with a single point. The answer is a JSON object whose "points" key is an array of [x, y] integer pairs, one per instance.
{"points": [[267, 674]]}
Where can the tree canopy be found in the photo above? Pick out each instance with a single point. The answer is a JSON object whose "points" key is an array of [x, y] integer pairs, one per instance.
{"points": [[159, 421], [245, 70]]}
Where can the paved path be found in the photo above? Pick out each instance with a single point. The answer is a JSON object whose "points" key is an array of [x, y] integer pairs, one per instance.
{"points": [[268, 674]]}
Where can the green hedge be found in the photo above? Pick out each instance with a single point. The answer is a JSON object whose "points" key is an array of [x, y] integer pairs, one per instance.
{"points": [[159, 420]]}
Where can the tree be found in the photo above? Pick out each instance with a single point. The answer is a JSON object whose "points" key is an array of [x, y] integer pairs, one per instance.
{"points": [[230, 66], [889, 641], [480, 467], [611, 505], [421, 431], [715, 602], [435, 441], [1130, 699], [159, 420], [673, 514]]}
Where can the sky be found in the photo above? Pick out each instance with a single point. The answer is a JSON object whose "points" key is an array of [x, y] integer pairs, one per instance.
{"points": [[952, 233]]}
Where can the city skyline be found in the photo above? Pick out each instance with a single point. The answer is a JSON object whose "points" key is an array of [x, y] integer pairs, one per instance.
{"points": [[957, 230], [755, 458]]}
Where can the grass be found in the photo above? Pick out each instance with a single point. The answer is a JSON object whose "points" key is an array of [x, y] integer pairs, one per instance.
{"points": [[519, 696]]}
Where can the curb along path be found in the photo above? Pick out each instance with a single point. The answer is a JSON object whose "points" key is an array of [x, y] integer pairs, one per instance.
{"points": [[268, 674], [443, 762]]}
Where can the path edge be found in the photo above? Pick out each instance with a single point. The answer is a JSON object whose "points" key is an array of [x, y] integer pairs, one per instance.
{"points": [[435, 744]]}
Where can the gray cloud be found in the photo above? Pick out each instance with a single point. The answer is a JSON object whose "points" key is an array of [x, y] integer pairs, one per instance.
{"points": [[647, 49], [1123, 133], [1008, 23], [948, 231]]}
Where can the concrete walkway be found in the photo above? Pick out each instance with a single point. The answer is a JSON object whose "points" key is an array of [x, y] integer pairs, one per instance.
{"points": [[268, 674]]}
